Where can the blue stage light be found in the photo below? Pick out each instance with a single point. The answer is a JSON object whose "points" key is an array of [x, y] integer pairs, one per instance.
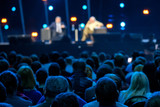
{"points": [[122, 24], [44, 25], [122, 5], [110, 20], [82, 25], [50, 8], [6, 27], [13, 9], [84, 7], [123, 28]]}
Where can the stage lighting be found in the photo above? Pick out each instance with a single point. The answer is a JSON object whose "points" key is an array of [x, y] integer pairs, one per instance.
{"points": [[146, 12], [34, 34], [109, 26], [13, 9], [73, 19], [122, 24], [6, 27], [122, 28], [121, 5], [44, 25], [50, 8], [84, 7], [82, 25], [4, 20]]}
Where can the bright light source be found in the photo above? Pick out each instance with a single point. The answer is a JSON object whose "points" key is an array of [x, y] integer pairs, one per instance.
{"points": [[6, 27], [121, 5], [34, 34], [109, 26], [50, 8], [122, 24], [110, 20], [4, 20], [123, 28], [73, 19], [84, 7], [13, 9], [146, 12], [82, 25], [44, 25]]}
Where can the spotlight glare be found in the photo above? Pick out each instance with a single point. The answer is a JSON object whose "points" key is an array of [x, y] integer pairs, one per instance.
{"points": [[34, 34], [146, 12], [109, 26], [4, 20], [50, 8], [123, 28], [122, 24], [6, 27], [73, 19], [121, 5], [44, 25], [84, 7], [13, 9], [82, 25]]}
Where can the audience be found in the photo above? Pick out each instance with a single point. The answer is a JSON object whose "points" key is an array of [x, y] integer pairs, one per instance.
{"points": [[91, 80]]}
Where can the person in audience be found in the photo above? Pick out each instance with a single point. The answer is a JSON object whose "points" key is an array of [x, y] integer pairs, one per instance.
{"points": [[54, 85], [119, 60], [12, 58], [27, 60], [154, 100], [28, 83], [69, 62], [66, 99], [41, 76], [34, 57], [90, 26], [102, 57], [54, 69], [10, 81], [35, 66], [4, 65], [54, 56], [106, 93], [3, 93], [139, 87], [64, 54]]}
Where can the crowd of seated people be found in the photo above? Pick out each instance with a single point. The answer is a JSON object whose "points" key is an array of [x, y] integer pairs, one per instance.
{"points": [[91, 80]]}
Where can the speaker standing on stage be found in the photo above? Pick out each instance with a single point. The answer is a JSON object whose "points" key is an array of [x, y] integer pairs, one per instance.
{"points": [[57, 29], [90, 26]]}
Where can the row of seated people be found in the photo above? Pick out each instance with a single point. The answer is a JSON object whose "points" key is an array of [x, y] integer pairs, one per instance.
{"points": [[92, 80]]}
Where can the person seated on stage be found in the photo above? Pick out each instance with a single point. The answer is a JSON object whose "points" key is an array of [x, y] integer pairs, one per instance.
{"points": [[57, 29], [90, 26]]}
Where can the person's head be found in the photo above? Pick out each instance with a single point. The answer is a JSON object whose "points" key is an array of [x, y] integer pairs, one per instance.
{"points": [[92, 19], [139, 83], [44, 58], [66, 99], [54, 56], [79, 66], [35, 66], [102, 57], [61, 63], [119, 59], [34, 57], [154, 100], [84, 55], [110, 63], [69, 60], [139, 67], [41, 76], [106, 92], [54, 69], [65, 54], [12, 57], [27, 77], [4, 55], [58, 19], [116, 79], [27, 60], [3, 93], [118, 71], [55, 85], [157, 61], [4, 65], [90, 62], [10, 81], [135, 63], [143, 59], [103, 70]]}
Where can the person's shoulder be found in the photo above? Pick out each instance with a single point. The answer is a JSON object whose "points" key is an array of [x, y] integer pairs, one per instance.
{"points": [[92, 104], [118, 104]]}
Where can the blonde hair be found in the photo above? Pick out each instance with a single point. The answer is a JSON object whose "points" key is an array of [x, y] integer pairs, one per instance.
{"points": [[27, 77], [139, 87]]}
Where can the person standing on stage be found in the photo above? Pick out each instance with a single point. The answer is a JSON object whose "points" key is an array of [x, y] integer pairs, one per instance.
{"points": [[90, 26], [57, 29]]}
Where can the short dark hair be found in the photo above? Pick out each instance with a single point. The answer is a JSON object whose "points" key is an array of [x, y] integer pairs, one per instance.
{"points": [[10, 81], [66, 99], [54, 69], [41, 75], [3, 93], [103, 70], [35, 66], [154, 100], [119, 59], [106, 91], [27, 60], [79, 66], [4, 65]]}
